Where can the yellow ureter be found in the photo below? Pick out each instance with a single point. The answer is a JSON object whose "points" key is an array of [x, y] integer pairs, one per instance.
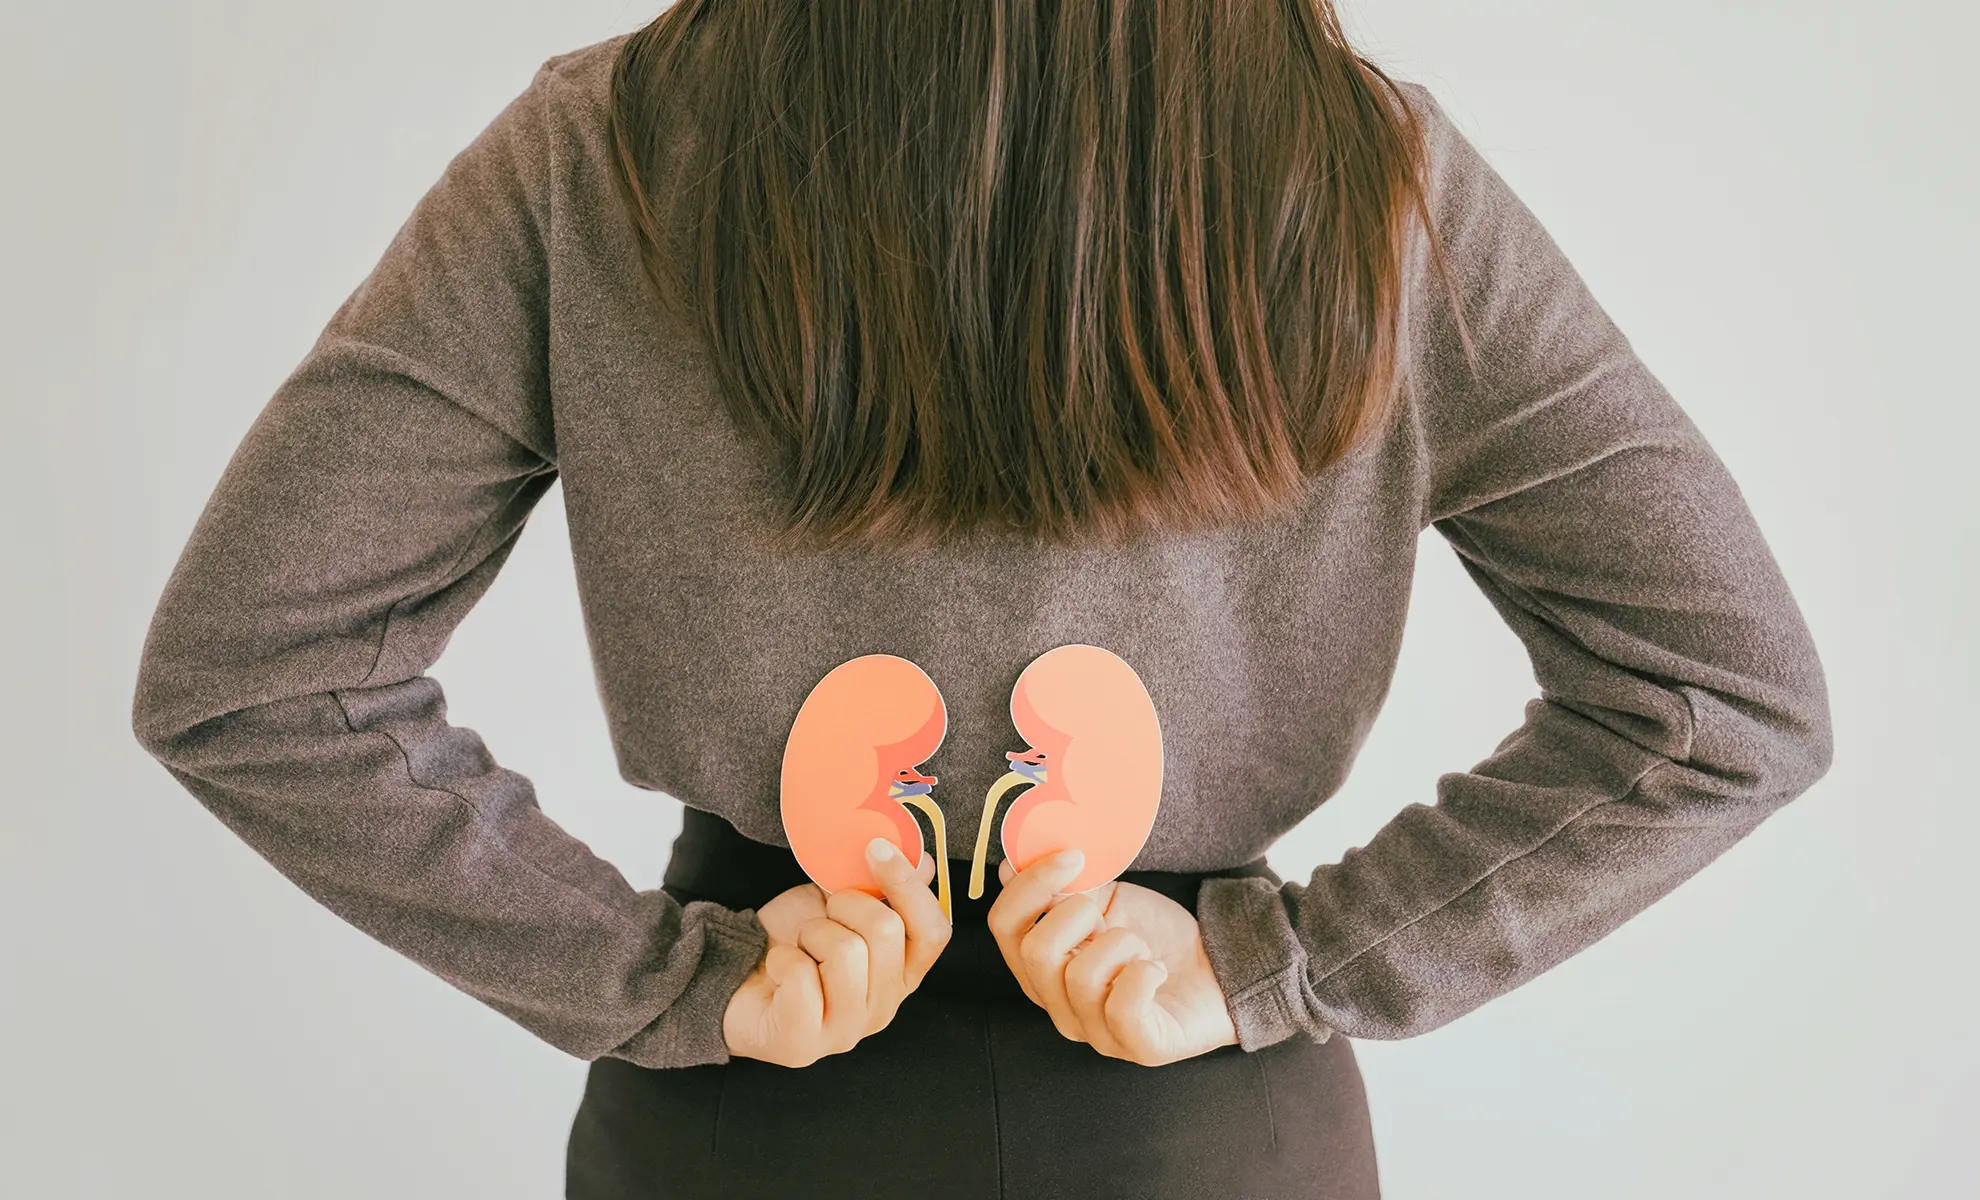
{"points": [[928, 806], [1010, 780]]}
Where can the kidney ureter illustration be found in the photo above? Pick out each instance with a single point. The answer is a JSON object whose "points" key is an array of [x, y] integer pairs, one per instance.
{"points": [[1092, 769], [1092, 766], [852, 763]]}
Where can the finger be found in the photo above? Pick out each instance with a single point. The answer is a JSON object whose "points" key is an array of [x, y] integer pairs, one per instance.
{"points": [[927, 929], [1091, 973], [885, 936], [842, 969], [790, 909], [1142, 1028], [1004, 872], [1024, 898], [1104, 895], [1045, 951], [798, 1004], [1028, 893], [745, 1026]]}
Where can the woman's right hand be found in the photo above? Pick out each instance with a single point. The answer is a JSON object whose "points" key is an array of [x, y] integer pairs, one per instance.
{"points": [[837, 967]]}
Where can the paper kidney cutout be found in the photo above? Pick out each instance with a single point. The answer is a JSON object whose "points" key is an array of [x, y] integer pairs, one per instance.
{"points": [[851, 764], [1093, 766]]}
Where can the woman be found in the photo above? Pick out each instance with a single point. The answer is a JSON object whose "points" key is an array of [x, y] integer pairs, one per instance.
{"points": [[960, 332]]}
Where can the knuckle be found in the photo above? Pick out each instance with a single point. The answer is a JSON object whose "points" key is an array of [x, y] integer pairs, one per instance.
{"points": [[1081, 977], [851, 903], [1119, 938]]}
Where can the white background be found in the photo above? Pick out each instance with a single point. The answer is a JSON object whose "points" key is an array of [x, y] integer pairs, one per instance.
{"points": [[1776, 200]]}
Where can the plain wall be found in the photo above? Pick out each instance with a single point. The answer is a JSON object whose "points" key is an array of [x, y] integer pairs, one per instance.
{"points": [[1775, 200]]}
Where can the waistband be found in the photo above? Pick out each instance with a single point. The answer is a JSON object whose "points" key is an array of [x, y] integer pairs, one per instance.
{"points": [[712, 860]]}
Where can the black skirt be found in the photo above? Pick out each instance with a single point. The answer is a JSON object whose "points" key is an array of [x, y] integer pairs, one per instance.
{"points": [[970, 1093]]}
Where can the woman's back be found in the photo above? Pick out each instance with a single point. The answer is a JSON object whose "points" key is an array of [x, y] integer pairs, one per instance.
{"points": [[507, 339]]}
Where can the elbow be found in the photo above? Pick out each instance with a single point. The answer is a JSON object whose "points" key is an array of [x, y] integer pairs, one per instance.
{"points": [[1802, 727], [158, 723], [1799, 763], [1763, 755], [185, 678], [1803, 736], [1815, 744], [149, 724]]}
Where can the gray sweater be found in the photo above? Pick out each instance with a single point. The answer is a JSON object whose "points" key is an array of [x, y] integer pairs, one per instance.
{"points": [[503, 341]]}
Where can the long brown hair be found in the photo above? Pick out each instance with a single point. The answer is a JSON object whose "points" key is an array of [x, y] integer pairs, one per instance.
{"points": [[1072, 266]]}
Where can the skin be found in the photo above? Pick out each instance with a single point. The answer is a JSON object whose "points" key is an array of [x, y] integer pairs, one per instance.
{"points": [[837, 967], [1120, 967]]}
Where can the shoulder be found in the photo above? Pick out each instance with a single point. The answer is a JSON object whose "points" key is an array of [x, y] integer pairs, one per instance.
{"points": [[1469, 201], [575, 90], [1425, 105], [1452, 159], [575, 86], [586, 70], [559, 124]]}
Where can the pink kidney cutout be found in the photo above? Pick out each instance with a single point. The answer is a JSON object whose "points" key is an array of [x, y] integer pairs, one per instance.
{"points": [[851, 764], [1093, 764]]}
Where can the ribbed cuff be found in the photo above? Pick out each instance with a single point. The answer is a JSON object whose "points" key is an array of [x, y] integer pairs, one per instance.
{"points": [[1258, 960], [688, 1032]]}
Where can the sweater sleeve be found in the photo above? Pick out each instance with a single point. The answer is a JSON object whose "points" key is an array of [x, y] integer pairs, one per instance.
{"points": [[1681, 699], [283, 683]]}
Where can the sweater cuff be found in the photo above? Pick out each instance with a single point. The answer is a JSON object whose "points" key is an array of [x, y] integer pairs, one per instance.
{"points": [[1258, 960], [688, 1032]]}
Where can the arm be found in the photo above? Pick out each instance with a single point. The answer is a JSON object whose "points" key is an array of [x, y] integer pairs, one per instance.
{"points": [[367, 509], [1681, 699]]}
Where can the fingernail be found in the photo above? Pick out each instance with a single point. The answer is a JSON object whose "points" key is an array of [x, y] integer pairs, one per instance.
{"points": [[1074, 858], [881, 850]]}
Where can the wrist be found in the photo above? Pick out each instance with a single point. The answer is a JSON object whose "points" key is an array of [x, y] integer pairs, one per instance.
{"points": [[693, 1030], [1258, 961]]}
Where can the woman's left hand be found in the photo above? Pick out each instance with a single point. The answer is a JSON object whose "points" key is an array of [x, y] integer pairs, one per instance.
{"points": [[1121, 967]]}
